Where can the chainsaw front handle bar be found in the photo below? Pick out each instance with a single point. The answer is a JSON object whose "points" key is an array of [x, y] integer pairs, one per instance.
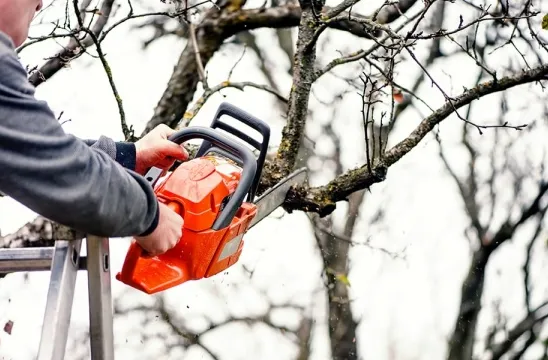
{"points": [[245, 155], [249, 120]]}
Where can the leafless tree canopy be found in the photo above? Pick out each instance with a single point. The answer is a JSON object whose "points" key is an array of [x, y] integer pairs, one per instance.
{"points": [[397, 58]]}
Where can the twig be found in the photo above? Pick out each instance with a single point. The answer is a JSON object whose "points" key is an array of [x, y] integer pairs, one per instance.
{"points": [[190, 114], [201, 71], [345, 4], [128, 132], [358, 55], [236, 63], [130, 16]]}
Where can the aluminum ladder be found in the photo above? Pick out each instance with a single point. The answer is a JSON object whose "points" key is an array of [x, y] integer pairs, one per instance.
{"points": [[64, 261]]}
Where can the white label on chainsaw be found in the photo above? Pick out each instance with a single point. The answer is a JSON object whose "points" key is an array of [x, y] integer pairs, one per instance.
{"points": [[231, 247]]}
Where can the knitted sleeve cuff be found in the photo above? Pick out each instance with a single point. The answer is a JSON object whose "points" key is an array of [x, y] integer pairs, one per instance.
{"points": [[125, 155]]}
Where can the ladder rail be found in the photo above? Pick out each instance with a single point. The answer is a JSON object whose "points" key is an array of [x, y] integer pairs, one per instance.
{"points": [[57, 315], [63, 260], [100, 299]]}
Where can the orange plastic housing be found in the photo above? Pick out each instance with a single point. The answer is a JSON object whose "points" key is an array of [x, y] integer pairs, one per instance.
{"points": [[196, 190]]}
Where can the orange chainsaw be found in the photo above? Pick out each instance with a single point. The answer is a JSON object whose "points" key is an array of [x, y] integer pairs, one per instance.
{"points": [[215, 194]]}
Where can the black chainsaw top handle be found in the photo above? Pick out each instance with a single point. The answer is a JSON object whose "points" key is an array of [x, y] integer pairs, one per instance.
{"points": [[245, 155], [249, 120]]}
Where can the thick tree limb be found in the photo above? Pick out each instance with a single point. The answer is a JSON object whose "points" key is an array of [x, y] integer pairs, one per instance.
{"points": [[289, 15], [303, 73], [322, 199], [38, 232]]}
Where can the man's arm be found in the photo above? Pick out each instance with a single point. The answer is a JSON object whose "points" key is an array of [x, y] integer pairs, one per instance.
{"points": [[59, 176]]}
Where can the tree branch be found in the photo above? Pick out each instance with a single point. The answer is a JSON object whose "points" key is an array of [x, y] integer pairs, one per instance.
{"points": [[191, 113], [322, 199], [76, 47], [536, 316], [39, 232], [214, 29]]}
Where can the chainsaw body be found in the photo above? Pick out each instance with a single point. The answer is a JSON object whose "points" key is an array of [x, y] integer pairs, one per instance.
{"points": [[214, 195]]}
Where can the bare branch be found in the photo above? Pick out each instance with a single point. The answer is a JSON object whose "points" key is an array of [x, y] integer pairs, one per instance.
{"points": [[76, 47], [322, 199], [190, 114], [536, 316]]}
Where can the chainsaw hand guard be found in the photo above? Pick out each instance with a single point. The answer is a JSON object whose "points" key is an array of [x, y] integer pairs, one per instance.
{"points": [[208, 191], [249, 120]]}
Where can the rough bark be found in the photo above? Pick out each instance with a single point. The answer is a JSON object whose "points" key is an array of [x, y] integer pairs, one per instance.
{"points": [[38, 232], [303, 70]]}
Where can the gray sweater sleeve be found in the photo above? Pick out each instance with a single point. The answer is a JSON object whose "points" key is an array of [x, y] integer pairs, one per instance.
{"points": [[58, 175]]}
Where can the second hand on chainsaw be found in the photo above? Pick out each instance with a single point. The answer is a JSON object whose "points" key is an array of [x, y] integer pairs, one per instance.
{"points": [[155, 150], [167, 233]]}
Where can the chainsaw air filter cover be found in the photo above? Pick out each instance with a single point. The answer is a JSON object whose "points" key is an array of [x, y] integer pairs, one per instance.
{"points": [[197, 190]]}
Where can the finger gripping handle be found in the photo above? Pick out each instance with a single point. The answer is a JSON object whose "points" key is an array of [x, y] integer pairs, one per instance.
{"points": [[230, 146]]}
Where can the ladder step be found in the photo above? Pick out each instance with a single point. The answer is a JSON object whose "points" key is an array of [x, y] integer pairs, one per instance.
{"points": [[60, 296], [29, 259], [25, 259]]}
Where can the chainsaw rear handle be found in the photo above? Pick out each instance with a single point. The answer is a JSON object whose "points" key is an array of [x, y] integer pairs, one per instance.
{"points": [[246, 157], [249, 120]]}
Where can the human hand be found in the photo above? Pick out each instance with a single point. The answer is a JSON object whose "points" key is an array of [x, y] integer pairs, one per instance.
{"points": [[154, 149], [166, 235]]}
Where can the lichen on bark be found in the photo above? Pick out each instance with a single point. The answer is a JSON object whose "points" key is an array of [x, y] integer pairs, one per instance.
{"points": [[303, 77]]}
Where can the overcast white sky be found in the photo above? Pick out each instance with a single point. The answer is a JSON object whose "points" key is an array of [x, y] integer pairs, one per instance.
{"points": [[406, 307]]}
